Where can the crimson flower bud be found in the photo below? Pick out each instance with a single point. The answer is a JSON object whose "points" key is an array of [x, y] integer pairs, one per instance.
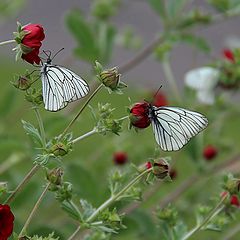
{"points": [[210, 152], [234, 200], [139, 115], [228, 54], [6, 222], [120, 158], [31, 43], [148, 165]]}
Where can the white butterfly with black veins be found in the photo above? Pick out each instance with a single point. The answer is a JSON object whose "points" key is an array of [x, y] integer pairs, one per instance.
{"points": [[173, 127], [60, 86]]}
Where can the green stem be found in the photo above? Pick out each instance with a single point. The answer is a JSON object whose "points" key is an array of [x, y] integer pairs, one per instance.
{"points": [[20, 186], [36, 206], [85, 135], [80, 111], [115, 197], [75, 233], [171, 79], [218, 208], [41, 127], [7, 42]]}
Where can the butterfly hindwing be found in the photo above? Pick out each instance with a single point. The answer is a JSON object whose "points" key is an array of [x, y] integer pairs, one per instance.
{"points": [[61, 86], [173, 127]]}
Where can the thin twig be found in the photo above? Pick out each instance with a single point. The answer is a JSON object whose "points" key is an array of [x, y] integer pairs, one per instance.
{"points": [[20, 186], [36, 206], [85, 135], [80, 111], [75, 233], [142, 55]]}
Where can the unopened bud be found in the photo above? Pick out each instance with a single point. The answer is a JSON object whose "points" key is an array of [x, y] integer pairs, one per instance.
{"points": [[161, 168], [110, 78], [22, 83], [60, 149], [55, 176]]}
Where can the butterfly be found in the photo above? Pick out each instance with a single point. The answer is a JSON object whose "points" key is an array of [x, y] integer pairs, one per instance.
{"points": [[173, 127], [60, 85]]}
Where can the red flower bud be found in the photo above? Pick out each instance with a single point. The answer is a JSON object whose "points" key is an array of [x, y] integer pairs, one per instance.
{"points": [[148, 165], [228, 54], [140, 115], [6, 222], [235, 201], [33, 41], [120, 158], [160, 100], [210, 152]]}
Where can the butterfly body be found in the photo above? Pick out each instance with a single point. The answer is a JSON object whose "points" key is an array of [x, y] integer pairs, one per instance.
{"points": [[60, 86], [173, 127]]}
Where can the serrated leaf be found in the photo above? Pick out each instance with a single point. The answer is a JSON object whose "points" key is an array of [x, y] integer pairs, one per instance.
{"points": [[68, 207], [32, 132], [80, 29], [88, 209]]}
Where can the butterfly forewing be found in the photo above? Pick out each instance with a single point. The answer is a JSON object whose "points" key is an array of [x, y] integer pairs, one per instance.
{"points": [[61, 86], [173, 127]]}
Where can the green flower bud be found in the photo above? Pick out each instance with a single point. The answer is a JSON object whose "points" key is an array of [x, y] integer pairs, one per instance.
{"points": [[60, 149], [55, 176], [161, 168], [22, 83], [64, 192], [110, 78]]}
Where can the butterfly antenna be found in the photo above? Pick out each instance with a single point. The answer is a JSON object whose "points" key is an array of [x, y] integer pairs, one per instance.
{"points": [[46, 53], [157, 92], [57, 53]]}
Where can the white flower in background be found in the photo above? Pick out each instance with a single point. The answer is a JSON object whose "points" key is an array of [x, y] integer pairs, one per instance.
{"points": [[203, 80]]}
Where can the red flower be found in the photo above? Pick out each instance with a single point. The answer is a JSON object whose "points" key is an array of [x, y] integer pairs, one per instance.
{"points": [[6, 222], [33, 41], [235, 201], [209, 152], [148, 165], [160, 100], [228, 54], [140, 115], [120, 158]]}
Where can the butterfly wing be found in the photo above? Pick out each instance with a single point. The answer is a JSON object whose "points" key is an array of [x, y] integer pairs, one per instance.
{"points": [[61, 86], [173, 127]]}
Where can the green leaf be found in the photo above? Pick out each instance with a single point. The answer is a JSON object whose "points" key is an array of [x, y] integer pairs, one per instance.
{"points": [[196, 41], [32, 132], [88, 209], [159, 7], [81, 30]]}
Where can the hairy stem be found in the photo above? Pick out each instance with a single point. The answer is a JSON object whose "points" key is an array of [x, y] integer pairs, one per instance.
{"points": [[218, 208], [7, 42], [36, 206], [20, 186], [85, 135], [80, 111], [41, 127]]}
